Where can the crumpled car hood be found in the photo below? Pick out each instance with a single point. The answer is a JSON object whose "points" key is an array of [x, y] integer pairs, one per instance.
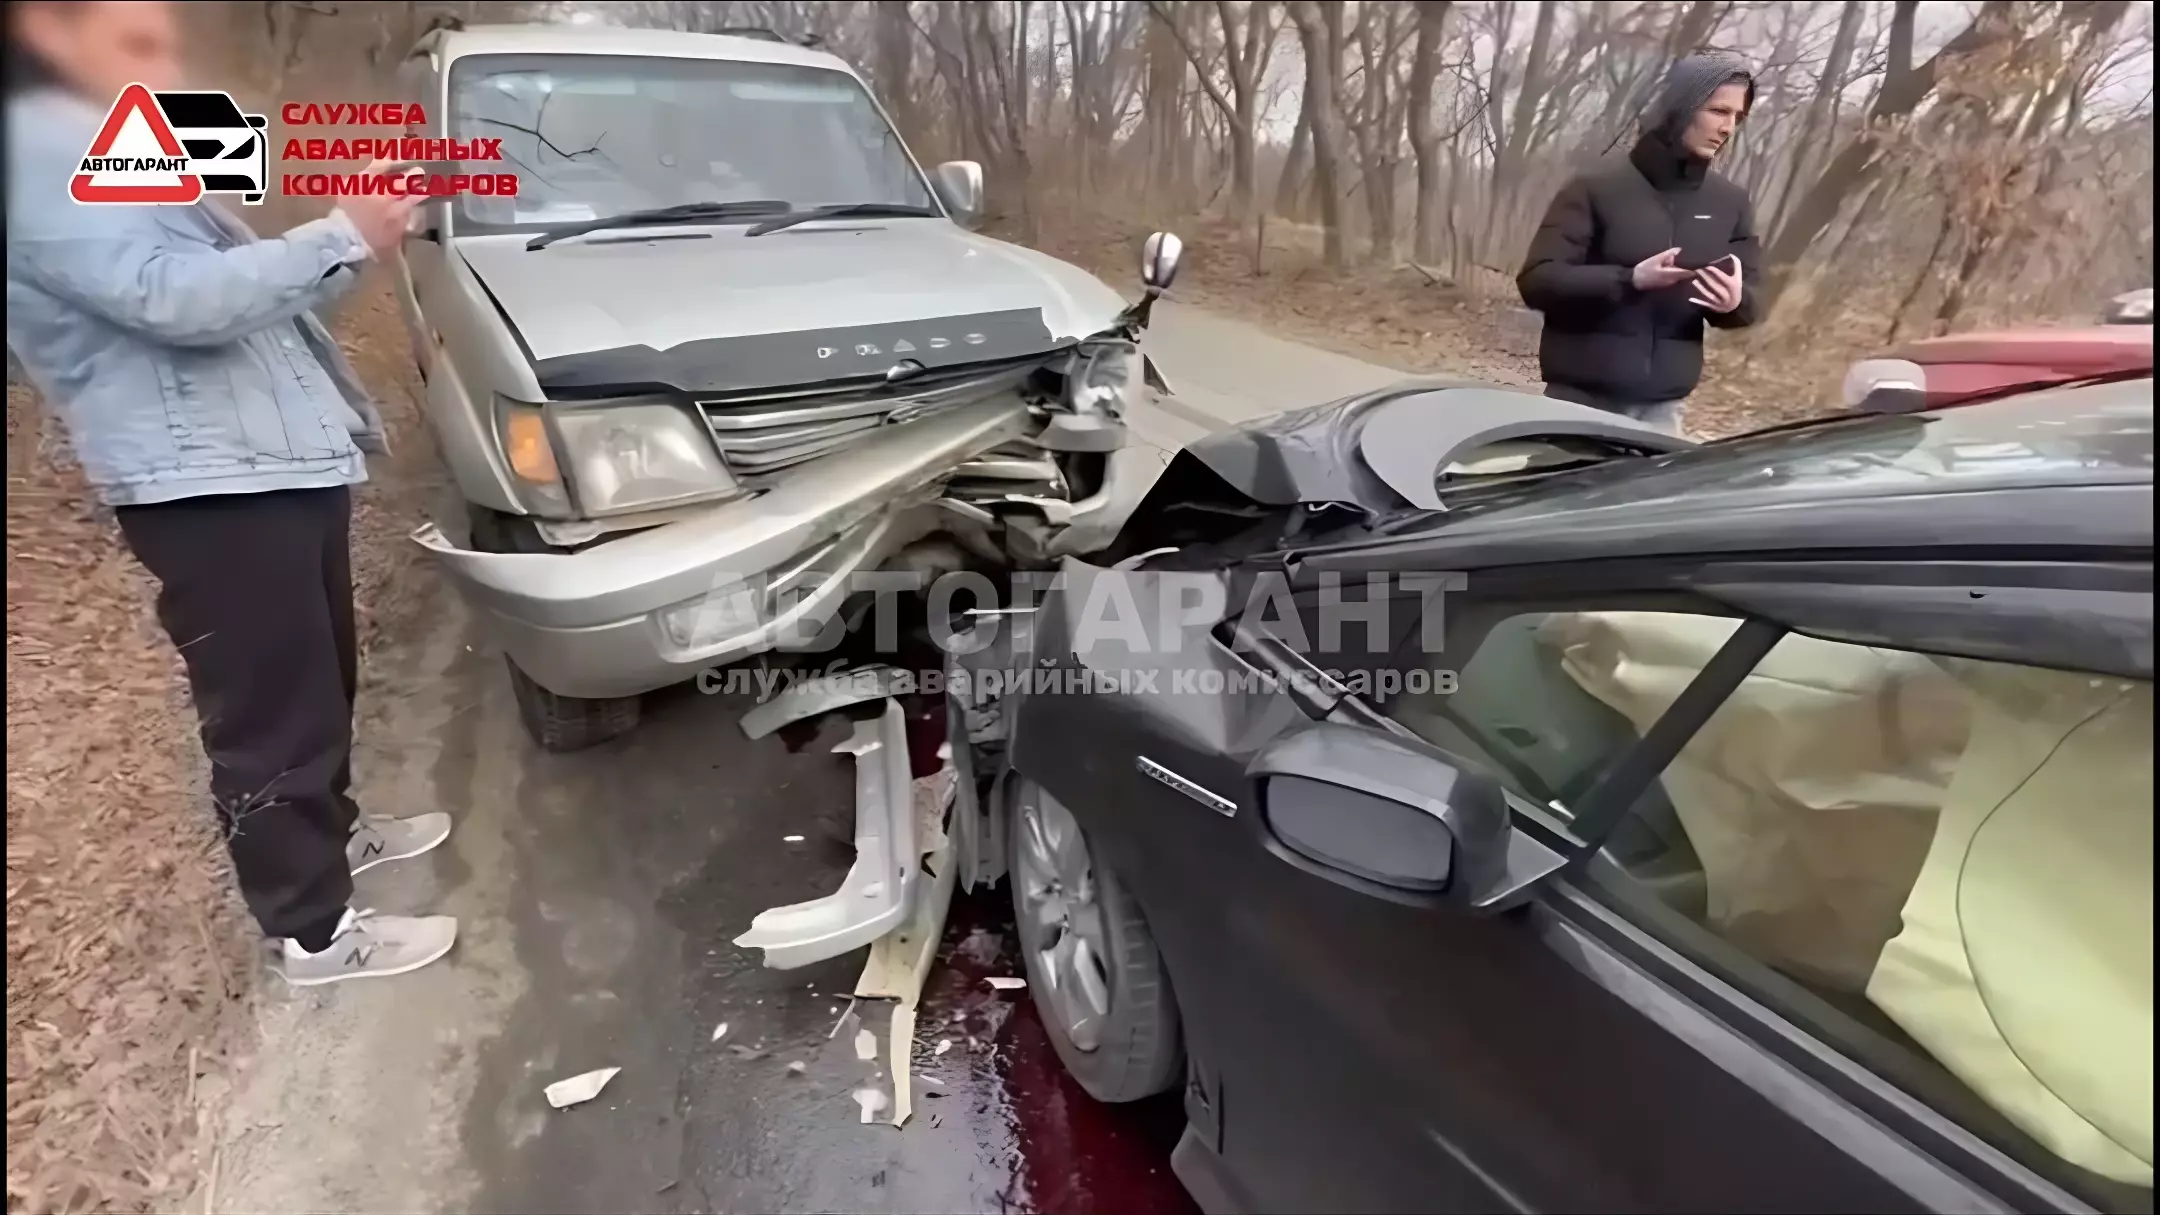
{"points": [[662, 288], [1381, 451]]}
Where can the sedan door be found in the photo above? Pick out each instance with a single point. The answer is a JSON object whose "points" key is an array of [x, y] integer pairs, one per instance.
{"points": [[1356, 1052]]}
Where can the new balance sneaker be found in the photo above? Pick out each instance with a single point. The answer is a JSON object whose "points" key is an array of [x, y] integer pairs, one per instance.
{"points": [[376, 840], [369, 946]]}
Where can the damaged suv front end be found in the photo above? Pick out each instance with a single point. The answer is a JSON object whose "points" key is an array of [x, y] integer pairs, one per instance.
{"points": [[689, 431]]}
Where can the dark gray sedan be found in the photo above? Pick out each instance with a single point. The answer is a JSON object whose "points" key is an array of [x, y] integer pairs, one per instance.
{"points": [[1476, 803]]}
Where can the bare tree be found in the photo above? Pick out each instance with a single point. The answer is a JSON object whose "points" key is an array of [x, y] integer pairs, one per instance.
{"points": [[1320, 32]]}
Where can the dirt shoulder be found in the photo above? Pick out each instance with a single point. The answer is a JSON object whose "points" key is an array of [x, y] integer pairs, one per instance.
{"points": [[130, 962]]}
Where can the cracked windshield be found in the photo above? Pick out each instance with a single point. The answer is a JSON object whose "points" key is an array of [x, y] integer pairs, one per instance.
{"points": [[591, 136]]}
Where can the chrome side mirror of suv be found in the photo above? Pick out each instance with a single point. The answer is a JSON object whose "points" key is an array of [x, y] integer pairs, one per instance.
{"points": [[959, 185], [1159, 259]]}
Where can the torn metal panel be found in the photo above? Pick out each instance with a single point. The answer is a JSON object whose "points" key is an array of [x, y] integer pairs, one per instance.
{"points": [[813, 697], [878, 890], [900, 961]]}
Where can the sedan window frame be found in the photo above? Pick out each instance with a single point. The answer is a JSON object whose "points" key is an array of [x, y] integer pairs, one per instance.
{"points": [[1872, 1071]]}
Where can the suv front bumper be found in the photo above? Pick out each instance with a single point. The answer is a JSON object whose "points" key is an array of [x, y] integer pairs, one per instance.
{"points": [[653, 608], [607, 620]]}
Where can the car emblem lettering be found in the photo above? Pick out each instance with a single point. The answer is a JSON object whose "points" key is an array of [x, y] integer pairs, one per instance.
{"points": [[867, 349], [1154, 771], [826, 352], [940, 343], [975, 339], [903, 346]]}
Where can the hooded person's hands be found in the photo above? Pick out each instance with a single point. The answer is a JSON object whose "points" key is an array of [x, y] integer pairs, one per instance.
{"points": [[1717, 288], [1660, 271]]}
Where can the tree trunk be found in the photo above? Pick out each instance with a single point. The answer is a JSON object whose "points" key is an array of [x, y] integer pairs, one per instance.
{"points": [[1297, 166], [1320, 33], [1167, 159], [1424, 135], [1508, 155]]}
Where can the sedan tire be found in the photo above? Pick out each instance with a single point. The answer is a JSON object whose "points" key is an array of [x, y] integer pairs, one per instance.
{"points": [[1092, 966]]}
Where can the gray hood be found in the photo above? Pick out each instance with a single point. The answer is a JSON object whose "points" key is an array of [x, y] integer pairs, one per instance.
{"points": [[1687, 88], [613, 290]]}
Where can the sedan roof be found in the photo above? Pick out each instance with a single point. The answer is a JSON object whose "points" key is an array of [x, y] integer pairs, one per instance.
{"points": [[2069, 467]]}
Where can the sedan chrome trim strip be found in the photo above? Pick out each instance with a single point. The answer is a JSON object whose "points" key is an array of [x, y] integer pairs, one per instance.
{"points": [[1220, 805]]}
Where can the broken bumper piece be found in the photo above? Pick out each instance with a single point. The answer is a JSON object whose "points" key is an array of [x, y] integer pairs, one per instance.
{"points": [[878, 890]]}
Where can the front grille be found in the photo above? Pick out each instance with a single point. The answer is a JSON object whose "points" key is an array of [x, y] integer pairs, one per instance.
{"points": [[765, 432]]}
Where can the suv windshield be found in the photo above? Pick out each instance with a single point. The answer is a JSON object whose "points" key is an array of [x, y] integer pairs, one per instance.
{"points": [[597, 135]]}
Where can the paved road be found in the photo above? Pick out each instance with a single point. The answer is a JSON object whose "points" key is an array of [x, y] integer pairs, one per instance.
{"points": [[598, 893]]}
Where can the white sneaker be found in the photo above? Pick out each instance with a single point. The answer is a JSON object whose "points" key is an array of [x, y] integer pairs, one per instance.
{"points": [[369, 946], [376, 840]]}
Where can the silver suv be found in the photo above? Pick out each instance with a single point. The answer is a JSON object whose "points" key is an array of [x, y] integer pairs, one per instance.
{"points": [[725, 349]]}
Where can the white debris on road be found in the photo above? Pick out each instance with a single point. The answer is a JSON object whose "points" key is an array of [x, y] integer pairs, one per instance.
{"points": [[579, 1089], [1005, 983], [865, 1045], [943, 1045], [872, 1102], [719, 1031]]}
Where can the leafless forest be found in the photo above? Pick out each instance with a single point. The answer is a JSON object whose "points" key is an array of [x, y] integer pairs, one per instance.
{"points": [[1935, 165]]}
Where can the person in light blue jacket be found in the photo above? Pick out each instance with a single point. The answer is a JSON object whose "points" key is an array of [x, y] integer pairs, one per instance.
{"points": [[211, 409]]}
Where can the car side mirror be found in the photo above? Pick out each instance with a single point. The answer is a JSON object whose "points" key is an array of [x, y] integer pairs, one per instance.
{"points": [[959, 185], [1394, 817], [422, 222], [1159, 258], [1886, 386]]}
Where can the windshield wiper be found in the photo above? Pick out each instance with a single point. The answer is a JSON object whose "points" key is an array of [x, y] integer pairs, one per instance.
{"points": [[685, 213], [837, 210]]}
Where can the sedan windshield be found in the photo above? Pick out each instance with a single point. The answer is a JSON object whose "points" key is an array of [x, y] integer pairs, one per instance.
{"points": [[590, 136]]}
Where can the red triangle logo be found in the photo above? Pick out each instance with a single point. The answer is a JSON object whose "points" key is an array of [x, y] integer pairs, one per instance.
{"points": [[135, 99]]}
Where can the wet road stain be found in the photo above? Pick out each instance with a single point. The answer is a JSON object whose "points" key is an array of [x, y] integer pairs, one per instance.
{"points": [[1072, 1153], [639, 861]]}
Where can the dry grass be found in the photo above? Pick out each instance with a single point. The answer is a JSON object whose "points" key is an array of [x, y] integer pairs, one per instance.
{"points": [[129, 959]]}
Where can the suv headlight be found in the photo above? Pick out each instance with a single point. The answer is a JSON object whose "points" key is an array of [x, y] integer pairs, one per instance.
{"points": [[614, 457]]}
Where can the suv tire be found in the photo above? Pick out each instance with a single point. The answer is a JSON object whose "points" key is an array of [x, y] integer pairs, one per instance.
{"points": [[558, 723]]}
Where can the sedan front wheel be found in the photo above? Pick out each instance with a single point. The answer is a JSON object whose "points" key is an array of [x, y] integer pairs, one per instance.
{"points": [[1092, 965]]}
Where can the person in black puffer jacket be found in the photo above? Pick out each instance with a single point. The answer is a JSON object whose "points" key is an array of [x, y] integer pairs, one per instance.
{"points": [[1635, 255]]}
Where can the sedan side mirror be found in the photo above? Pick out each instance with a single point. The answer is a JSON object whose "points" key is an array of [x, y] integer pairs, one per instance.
{"points": [[959, 185], [1886, 386], [1159, 259], [1394, 817]]}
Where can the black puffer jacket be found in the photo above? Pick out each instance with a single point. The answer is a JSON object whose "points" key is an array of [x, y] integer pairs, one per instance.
{"points": [[1603, 339]]}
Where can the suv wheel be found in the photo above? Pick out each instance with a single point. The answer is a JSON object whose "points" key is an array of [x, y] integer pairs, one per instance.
{"points": [[1092, 965], [558, 723]]}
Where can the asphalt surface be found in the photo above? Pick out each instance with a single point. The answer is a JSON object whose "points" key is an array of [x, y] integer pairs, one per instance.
{"points": [[598, 895]]}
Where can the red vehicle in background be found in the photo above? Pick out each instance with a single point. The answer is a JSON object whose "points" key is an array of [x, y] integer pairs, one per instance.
{"points": [[1964, 368]]}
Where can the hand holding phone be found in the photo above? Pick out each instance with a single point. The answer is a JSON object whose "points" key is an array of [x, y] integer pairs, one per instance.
{"points": [[380, 218], [1718, 286]]}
